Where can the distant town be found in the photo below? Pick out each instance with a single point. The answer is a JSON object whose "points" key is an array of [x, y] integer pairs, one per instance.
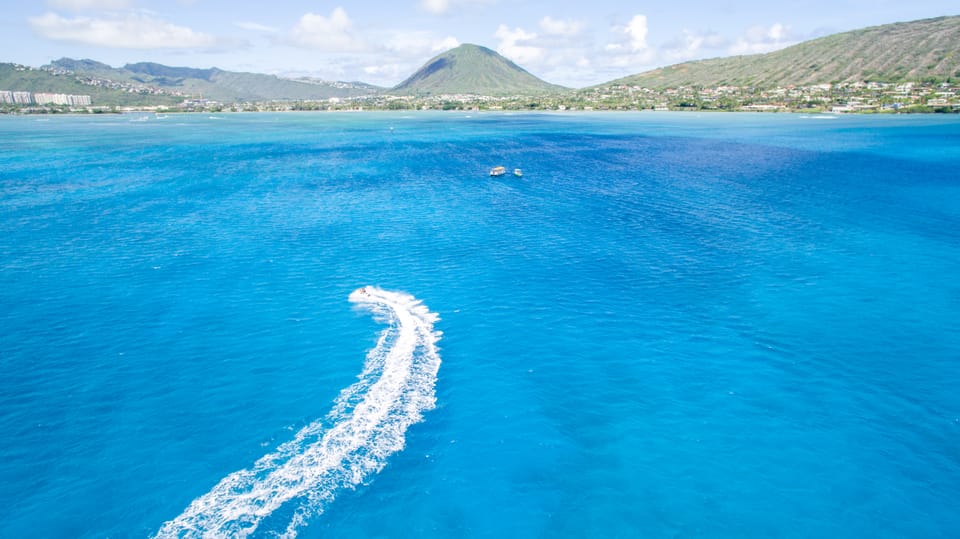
{"points": [[864, 97], [860, 97], [835, 98]]}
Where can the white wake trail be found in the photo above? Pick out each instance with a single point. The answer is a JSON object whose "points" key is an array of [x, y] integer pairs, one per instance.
{"points": [[367, 425]]}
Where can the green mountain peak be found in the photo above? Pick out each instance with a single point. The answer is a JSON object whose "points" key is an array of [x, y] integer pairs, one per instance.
{"points": [[472, 69]]}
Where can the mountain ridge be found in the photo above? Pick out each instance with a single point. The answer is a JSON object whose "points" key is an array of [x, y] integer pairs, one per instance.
{"points": [[922, 50], [214, 83]]}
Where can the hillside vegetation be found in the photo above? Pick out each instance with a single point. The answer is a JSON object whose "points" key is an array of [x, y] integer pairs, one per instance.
{"points": [[923, 51], [213, 83], [472, 69], [22, 79]]}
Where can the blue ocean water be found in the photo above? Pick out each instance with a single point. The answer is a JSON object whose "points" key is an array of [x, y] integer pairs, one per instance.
{"points": [[673, 325]]}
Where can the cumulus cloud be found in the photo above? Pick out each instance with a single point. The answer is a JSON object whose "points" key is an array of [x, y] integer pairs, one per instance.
{"points": [[556, 27], [516, 45], [81, 5], [436, 6], [630, 48], [129, 31], [381, 69], [416, 44], [442, 7], [392, 55], [759, 39], [558, 50], [386, 74], [692, 45], [256, 27], [630, 38], [637, 30], [333, 33], [446, 43]]}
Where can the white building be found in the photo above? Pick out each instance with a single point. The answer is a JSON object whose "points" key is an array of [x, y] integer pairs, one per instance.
{"points": [[41, 98], [61, 99]]}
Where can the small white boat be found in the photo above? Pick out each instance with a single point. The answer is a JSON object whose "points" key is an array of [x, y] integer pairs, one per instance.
{"points": [[498, 171], [517, 172]]}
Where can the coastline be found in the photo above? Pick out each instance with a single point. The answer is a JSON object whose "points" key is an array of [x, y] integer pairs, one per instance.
{"points": [[148, 111]]}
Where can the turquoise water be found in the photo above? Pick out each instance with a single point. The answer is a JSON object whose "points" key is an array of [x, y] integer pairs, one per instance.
{"points": [[674, 325]]}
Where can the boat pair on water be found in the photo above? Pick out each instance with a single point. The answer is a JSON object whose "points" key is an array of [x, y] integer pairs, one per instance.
{"points": [[500, 171]]}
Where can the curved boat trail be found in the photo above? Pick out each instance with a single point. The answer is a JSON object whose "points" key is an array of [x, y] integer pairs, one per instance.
{"points": [[366, 425]]}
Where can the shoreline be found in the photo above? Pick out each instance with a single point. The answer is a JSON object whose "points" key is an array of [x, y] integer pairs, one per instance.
{"points": [[151, 111]]}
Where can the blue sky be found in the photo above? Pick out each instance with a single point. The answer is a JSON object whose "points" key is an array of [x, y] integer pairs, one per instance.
{"points": [[381, 42]]}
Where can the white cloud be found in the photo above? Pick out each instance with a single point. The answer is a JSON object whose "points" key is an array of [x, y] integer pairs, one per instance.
{"points": [[387, 74], [445, 44], [385, 56], [437, 7], [131, 31], [559, 51], [630, 49], [442, 7], [380, 70], [688, 48], [416, 44], [256, 27], [636, 30], [692, 45], [556, 27], [80, 5], [515, 45], [330, 34], [402, 52], [760, 39]]}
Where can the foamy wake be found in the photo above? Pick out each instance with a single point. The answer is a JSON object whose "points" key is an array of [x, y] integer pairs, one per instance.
{"points": [[367, 425]]}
